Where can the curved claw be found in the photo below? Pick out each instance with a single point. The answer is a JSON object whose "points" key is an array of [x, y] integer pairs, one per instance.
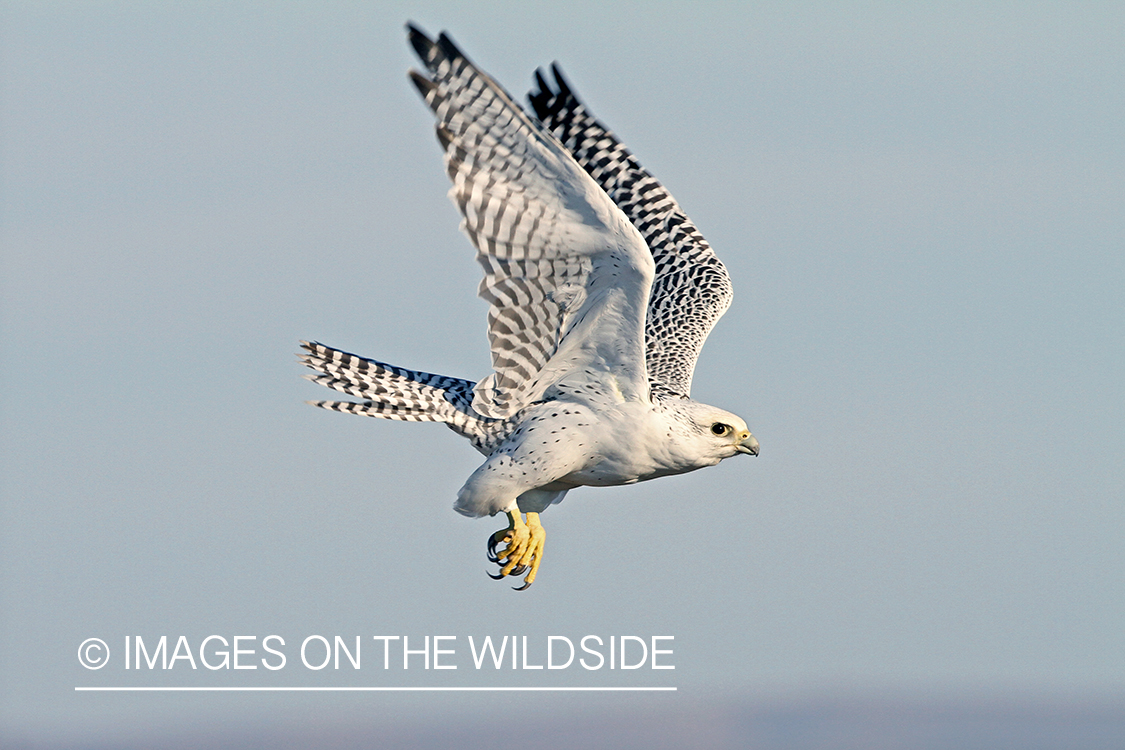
{"points": [[523, 552], [524, 587], [500, 537]]}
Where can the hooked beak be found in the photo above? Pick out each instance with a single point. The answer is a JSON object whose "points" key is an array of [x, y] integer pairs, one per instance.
{"points": [[749, 446]]}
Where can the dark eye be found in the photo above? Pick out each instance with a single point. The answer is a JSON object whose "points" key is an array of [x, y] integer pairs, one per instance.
{"points": [[720, 429]]}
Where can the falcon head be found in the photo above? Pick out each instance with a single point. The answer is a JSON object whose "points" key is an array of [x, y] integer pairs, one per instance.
{"points": [[740, 437], [718, 434]]}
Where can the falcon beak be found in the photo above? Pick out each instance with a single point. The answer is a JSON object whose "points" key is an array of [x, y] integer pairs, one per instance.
{"points": [[749, 445]]}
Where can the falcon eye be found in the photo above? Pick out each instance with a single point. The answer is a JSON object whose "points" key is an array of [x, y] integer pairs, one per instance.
{"points": [[720, 429]]}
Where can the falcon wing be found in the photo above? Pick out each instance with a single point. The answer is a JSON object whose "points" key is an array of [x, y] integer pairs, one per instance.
{"points": [[567, 277], [691, 290]]}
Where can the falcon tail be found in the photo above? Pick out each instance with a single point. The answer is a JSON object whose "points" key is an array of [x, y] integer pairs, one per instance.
{"points": [[390, 392]]}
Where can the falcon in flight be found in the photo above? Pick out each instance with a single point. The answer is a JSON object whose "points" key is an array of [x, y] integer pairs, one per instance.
{"points": [[601, 293]]}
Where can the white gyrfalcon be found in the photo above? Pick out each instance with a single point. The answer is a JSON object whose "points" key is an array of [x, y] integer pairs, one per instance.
{"points": [[601, 294]]}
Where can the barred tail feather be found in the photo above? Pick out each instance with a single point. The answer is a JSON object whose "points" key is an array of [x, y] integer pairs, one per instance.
{"points": [[391, 392]]}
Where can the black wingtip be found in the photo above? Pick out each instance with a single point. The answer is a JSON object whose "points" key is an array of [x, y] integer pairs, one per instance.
{"points": [[448, 47], [421, 43], [540, 81], [432, 50], [540, 98], [423, 84], [560, 79], [444, 137], [549, 100]]}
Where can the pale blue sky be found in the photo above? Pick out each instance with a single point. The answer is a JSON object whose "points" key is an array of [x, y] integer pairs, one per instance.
{"points": [[922, 213]]}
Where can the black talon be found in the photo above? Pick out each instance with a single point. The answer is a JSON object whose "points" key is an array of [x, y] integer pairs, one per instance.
{"points": [[495, 578], [492, 556], [523, 587], [518, 570]]}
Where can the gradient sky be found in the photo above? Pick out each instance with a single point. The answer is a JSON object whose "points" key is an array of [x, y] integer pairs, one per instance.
{"points": [[922, 212]]}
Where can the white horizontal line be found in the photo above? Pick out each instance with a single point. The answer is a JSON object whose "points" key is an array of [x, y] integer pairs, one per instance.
{"points": [[371, 689]]}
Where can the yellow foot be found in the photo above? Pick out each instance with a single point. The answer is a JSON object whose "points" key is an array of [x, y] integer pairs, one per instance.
{"points": [[524, 550]]}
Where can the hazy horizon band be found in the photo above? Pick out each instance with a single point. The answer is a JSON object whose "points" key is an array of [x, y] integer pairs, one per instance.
{"points": [[382, 689]]}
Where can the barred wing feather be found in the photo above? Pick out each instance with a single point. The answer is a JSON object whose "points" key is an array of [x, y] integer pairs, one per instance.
{"points": [[691, 289], [566, 275]]}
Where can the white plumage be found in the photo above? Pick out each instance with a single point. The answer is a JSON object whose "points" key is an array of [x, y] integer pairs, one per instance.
{"points": [[601, 294]]}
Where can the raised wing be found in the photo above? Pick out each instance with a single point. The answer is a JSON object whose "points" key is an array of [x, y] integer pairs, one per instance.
{"points": [[566, 276], [691, 290]]}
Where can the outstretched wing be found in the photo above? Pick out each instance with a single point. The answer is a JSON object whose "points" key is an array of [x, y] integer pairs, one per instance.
{"points": [[567, 277], [691, 290]]}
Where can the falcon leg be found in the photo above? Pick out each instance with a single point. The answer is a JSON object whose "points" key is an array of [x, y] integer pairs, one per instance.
{"points": [[524, 550]]}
